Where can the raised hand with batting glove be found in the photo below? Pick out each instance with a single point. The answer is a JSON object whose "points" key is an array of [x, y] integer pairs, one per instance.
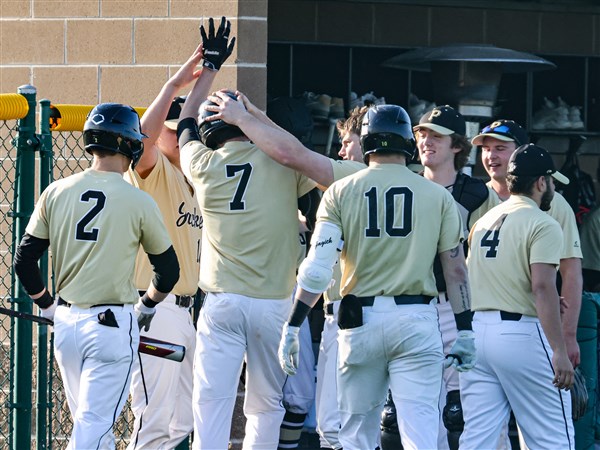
{"points": [[216, 50], [462, 354], [289, 349]]}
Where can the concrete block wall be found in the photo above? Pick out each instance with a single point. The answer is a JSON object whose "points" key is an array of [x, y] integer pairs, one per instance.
{"points": [[92, 51]]}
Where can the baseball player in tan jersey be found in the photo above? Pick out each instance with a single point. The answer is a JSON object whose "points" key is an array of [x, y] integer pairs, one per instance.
{"points": [[498, 141], [248, 265], [523, 361], [94, 223], [289, 151], [161, 390], [389, 333], [443, 151]]}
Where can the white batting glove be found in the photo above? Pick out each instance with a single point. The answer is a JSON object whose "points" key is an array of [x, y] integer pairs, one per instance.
{"points": [[144, 315], [462, 354], [289, 349], [48, 313]]}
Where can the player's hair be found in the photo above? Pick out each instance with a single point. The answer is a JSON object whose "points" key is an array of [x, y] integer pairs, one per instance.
{"points": [[353, 123], [460, 158], [523, 184]]}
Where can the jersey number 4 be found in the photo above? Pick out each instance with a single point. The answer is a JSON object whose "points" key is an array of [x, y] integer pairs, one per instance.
{"points": [[237, 203], [81, 234], [491, 238], [373, 229]]}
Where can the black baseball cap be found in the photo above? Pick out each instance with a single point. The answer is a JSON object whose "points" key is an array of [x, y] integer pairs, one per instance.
{"points": [[504, 130], [174, 111], [443, 120], [532, 160]]}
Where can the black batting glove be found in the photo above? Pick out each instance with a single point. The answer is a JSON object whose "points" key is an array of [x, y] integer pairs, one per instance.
{"points": [[216, 50]]}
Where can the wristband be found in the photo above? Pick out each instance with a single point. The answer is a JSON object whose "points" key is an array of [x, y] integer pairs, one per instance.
{"points": [[45, 300], [299, 312], [464, 320], [148, 302]]}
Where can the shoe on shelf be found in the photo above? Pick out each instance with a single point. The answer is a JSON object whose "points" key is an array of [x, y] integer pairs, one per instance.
{"points": [[336, 110]]}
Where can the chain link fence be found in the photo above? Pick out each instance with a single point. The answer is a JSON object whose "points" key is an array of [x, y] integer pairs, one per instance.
{"points": [[8, 130]]}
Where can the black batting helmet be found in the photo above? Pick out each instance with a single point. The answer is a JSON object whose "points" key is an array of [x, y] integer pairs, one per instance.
{"points": [[214, 133], [113, 127], [387, 129]]}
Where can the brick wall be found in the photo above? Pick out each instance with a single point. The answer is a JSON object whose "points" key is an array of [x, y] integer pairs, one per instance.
{"points": [[90, 51]]}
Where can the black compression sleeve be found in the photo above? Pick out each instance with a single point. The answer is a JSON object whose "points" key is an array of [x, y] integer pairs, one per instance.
{"points": [[28, 253], [463, 320], [299, 312], [187, 131], [166, 270]]}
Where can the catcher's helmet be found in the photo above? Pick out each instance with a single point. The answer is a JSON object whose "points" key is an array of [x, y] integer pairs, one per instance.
{"points": [[216, 132], [387, 129], [116, 128]]}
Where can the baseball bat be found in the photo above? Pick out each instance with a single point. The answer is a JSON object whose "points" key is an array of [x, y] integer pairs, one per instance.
{"points": [[149, 346]]}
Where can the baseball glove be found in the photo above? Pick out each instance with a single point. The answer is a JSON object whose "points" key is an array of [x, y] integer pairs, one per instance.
{"points": [[579, 395]]}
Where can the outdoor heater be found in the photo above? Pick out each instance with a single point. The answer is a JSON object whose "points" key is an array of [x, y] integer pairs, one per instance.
{"points": [[467, 76]]}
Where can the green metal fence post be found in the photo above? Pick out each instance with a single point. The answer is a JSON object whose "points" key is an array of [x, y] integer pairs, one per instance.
{"points": [[22, 208], [44, 386]]}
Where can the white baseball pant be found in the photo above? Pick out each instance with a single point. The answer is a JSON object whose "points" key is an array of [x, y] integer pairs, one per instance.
{"points": [[399, 347], [450, 375], [513, 370], [230, 327], [328, 416], [299, 390], [161, 393], [95, 363]]}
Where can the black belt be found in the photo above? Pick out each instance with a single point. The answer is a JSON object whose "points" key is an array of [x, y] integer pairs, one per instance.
{"points": [[185, 301], [68, 305], [400, 300], [515, 317]]}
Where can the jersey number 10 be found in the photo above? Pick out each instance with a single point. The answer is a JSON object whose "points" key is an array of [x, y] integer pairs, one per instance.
{"points": [[373, 229]]}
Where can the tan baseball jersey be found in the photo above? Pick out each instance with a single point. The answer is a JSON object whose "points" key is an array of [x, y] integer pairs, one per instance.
{"points": [[393, 222], [178, 204], [250, 209], [563, 214], [502, 246], [95, 222], [341, 169], [590, 240]]}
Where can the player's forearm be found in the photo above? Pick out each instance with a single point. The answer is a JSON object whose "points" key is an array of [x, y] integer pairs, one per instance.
{"points": [[457, 280], [304, 301], [571, 290], [285, 149], [154, 117], [198, 94], [548, 311]]}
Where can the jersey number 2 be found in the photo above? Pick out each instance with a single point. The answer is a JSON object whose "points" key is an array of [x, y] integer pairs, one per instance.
{"points": [[373, 229], [237, 203], [81, 234]]}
